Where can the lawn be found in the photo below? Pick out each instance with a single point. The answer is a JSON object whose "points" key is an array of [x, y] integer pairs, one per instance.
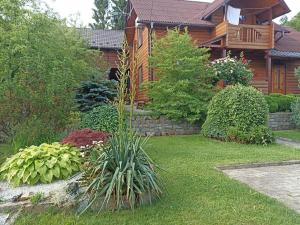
{"points": [[197, 194], [290, 134]]}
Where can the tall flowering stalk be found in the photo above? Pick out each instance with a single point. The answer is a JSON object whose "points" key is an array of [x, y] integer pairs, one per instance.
{"points": [[122, 87]]}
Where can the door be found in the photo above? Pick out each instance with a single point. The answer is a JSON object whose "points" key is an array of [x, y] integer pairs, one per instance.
{"points": [[278, 78]]}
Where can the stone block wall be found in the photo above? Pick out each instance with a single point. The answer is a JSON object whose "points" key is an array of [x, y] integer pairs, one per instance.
{"points": [[281, 121], [161, 126]]}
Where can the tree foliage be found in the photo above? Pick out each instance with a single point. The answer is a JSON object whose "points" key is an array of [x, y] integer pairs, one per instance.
{"points": [[294, 22], [101, 15], [183, 87], [42, 62], [109, 14]]}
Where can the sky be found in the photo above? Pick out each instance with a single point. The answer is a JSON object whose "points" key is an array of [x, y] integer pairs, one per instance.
{"points": [[81, 10]]}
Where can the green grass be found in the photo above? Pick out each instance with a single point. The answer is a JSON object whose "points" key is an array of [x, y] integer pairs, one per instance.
{"points": [[197, 194], [290, 134]]}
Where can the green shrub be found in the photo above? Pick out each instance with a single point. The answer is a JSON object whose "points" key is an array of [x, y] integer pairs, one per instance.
{"points": [[43, 60], [43, 163], [102, 118], [184, 85], [122, 175], [296, 112], [235, 111], [233, 70], [280, 102], [92, 94], [260, 135]]}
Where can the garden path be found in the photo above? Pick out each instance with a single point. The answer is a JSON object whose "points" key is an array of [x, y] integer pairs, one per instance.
{"points": [[279, 182], [288, 142]]}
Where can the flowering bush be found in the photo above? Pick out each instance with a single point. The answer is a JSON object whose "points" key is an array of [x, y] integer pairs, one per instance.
{"points": [[85, 138], [233, 70]]}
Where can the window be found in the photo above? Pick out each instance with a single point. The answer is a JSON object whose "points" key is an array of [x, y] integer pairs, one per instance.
{"points": [[140, 74], [140, 36]]}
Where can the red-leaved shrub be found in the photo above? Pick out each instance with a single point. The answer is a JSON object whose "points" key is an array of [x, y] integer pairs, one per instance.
{"points": [[85, 137]]}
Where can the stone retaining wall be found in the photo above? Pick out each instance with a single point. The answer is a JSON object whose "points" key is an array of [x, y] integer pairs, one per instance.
{"points": [[281, 121], [161, 126]]}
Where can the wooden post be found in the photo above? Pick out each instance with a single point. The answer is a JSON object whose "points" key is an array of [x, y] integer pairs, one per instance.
{"points": [[224, 53], [269, 72], [270, 16]]}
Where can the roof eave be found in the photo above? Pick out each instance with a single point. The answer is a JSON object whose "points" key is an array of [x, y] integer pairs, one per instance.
{"points": [[177, 23]]}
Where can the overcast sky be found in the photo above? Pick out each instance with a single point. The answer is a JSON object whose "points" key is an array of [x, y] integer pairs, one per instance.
{"points": [[82, 9]]}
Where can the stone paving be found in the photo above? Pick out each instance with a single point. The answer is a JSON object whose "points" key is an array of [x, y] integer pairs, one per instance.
{"points": [[279, 182]]}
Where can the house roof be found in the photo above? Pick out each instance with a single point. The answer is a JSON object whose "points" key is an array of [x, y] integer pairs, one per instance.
{"points": [[216, 4], [289, 44], [177, 12], [103, 39]]}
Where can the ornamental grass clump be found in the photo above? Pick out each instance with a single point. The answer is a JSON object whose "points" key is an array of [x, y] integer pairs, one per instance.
{"points": [[41, 164], [122, 175]]}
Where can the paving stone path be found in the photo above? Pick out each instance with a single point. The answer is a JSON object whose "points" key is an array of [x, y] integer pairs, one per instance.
{"points": [[279, 182], [288, 142]]}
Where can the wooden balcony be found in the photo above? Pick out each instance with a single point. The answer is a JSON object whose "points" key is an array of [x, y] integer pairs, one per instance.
{"points": [[245, 36]]}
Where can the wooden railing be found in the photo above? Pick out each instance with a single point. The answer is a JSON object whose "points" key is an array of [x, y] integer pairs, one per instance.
{"points": [[250, 36], [245, 36]]}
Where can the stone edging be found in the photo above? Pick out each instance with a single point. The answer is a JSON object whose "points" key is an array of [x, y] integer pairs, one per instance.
{"points": [[256, 165]]}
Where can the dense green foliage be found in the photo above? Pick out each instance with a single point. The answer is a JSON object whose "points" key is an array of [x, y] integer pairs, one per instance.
{"points": [[234, 112], [100, 15], [91, 94], [198, 194], [294, 22], [296, 112], [233, 70], [123, 174], [42, 62], [102, 118], [184, 85], [280, 102], [43, 163]]}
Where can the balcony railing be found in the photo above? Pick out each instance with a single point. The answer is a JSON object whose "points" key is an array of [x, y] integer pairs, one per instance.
{"points": [[246, 36]]}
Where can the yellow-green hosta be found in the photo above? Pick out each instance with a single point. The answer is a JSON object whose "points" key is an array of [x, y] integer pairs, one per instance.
{"points": [[43, 163]]}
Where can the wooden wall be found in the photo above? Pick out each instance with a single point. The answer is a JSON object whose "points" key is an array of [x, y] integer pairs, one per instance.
{"points": [[110, 57], [292, 84]]}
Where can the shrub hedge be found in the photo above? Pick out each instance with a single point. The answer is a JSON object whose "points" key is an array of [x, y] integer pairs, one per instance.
{"points": [[234, 113], [102, 118], [280, 102]]}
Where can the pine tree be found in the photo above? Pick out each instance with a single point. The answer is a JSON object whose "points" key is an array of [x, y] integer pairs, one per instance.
{"points": [[118, 14], [101, 15]]}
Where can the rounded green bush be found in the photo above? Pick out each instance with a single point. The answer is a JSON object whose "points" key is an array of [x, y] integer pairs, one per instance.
{"points": [[102, 118], [43, 163], [235, 106]]}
